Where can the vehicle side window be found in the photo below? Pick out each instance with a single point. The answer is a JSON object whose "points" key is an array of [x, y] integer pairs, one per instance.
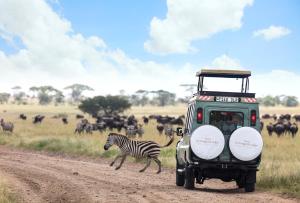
{"points": [[189, 118]]}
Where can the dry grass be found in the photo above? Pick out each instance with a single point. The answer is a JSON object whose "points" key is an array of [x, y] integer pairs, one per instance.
{"points": [[5, 195], [279, 170]]}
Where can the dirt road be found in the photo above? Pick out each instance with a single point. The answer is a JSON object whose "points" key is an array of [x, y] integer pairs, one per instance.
{"points": [[44, 178]]}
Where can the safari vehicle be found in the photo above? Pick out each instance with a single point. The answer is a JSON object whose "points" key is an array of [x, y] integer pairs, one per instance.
{"points": [[221, 136]]}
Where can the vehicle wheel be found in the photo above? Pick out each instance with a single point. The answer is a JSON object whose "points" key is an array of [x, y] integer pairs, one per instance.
{"points": [[249, 187], [189, 180], [240, 184], [179, 177]]}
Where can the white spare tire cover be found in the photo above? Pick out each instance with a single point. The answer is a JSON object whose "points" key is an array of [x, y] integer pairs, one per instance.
{"points": [[246, 143], [207, 142]]}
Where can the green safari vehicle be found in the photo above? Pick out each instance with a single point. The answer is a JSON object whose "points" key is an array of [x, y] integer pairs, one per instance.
{"points": [[221, 137]]}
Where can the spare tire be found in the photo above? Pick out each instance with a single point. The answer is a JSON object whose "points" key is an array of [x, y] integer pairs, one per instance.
{"points": [[246, 143], [207, 142]]}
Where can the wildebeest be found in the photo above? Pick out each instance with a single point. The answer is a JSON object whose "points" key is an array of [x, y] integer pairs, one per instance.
{"points": [[160, 129], [270, 129], [294, 129], [297, 118], [279, 129], [266, 116], [79, 116], [7, 126], [261, 126], [38, 119], [23, 116], [64, 120], [145, 120]]}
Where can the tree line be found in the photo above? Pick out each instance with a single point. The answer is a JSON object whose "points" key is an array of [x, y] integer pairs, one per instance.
{"points": [[48, 94], [284, 100]]}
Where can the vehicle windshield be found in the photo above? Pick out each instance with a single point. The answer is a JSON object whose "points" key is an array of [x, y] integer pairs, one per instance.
{"points": [[226, 121], [222, 84]]}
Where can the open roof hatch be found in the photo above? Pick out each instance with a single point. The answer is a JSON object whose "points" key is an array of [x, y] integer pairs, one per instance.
{"points": [[244, 75]]}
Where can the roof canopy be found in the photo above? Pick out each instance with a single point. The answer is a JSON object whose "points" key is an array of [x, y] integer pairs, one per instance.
{"points": [[224, 73]]}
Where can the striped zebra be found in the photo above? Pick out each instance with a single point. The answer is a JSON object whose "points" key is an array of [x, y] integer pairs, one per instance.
{"points": [[138, 149]]}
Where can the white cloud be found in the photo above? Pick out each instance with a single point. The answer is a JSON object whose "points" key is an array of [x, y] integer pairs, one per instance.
{"points": [[55, 54], [190, 20], [225, 62], [272, 32]]}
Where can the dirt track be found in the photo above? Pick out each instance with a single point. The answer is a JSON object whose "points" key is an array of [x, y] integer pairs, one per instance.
{"points": [[44, 178]]}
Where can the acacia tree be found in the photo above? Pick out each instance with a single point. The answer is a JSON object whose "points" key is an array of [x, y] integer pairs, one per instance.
{"points": [[45, 93], [104, 105], [4, 97], [77, 90], [164, 98]]}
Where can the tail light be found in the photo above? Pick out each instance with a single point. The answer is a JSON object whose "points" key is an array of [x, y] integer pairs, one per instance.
{"points": [[199, 115], [253, 118]]}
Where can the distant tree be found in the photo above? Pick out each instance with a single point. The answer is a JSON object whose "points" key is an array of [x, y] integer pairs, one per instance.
{"points": [[59, 97], [164, 97], [16, 88], [19, 97], [104, 105], [4, 97], [268, 101], [77, 90], [45, 93], [290, 101]]}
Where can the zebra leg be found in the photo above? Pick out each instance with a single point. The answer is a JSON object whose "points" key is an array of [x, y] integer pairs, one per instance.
{"points": [[122, 161], [147, 165], [117, 157], [159, 164]]}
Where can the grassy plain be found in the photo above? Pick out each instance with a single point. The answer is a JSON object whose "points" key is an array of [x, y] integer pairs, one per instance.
{"points": [[279, 170]]}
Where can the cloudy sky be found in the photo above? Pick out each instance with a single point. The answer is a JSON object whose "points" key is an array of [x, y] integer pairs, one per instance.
{"points": [[158, 44]]}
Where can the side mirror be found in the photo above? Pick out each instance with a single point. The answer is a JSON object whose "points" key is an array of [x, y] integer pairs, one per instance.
{"points": [[179, 131]]}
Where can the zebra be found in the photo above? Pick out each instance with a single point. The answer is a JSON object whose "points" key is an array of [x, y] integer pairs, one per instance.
{"points": [[131, 131], [138, 149]]}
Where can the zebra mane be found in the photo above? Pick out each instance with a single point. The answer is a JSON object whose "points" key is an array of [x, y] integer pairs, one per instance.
{"points": [[118, 135]]}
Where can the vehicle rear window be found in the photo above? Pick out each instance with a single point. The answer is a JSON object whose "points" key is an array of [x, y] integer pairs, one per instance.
{"points": [[226, 121]]}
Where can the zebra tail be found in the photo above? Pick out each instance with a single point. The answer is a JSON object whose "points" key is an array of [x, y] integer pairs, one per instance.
{"points": [[169, 143]]}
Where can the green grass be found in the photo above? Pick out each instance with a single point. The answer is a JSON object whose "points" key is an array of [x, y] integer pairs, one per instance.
{"points": [[279, 169]]}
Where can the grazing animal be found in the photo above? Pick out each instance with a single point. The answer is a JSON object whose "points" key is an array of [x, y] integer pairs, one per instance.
{"points": [[297, 118], [160, 129], [131, 131], [140, 131], [138, 149], [270, 129], [7, 127], [294, 129], [23, 116], [38, 119], [169, 132], [78, 116], [261, 126], [65, 121], [145, 120], [279, 129]]}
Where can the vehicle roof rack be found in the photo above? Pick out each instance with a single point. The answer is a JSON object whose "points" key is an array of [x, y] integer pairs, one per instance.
{"points": [[223, 73]]}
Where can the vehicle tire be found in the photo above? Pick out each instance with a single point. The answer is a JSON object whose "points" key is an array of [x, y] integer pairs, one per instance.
{"points": [[250, 181], [249, 187], [240, 184], [179, 176], [189, 179]]}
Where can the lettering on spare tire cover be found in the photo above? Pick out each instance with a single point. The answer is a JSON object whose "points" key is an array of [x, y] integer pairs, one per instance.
{"points": [[207, 140], [246, 143]]}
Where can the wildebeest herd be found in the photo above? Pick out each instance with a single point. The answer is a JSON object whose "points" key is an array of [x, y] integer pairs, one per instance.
{"points": [[280, 125], [129, 124], [284, 124]]}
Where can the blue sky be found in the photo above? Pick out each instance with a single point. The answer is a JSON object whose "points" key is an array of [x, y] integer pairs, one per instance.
{"points": [[138, 44], [125, 25]]}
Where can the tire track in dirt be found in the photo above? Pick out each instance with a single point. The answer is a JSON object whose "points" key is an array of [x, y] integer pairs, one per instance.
{"points": [[40, 177]]}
